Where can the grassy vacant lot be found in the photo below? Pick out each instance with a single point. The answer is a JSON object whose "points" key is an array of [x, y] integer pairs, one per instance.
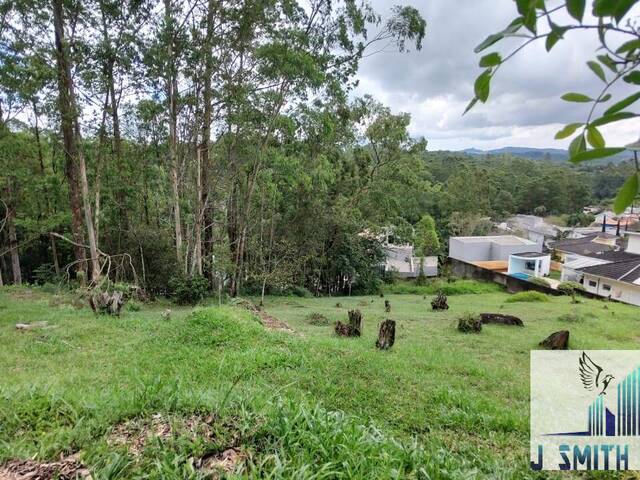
{"points": [[139, 396]]}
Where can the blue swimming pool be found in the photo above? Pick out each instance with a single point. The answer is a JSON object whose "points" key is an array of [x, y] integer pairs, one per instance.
{"points": [[521, 276]]}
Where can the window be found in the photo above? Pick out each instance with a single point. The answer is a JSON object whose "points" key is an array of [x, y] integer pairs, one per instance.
{"points": [[606, 288], [530, 265], [592, 283]]}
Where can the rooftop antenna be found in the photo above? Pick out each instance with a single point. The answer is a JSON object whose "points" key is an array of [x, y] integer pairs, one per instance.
{"points": [[604, 223], [618, 229]]}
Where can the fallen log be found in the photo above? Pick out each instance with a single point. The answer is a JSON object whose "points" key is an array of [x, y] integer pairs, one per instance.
{"points": [[386, 335], [556, 341], [500, 319]]}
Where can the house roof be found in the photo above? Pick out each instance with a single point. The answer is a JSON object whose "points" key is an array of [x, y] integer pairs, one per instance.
{"points": [[594, 244], [530, 254], [499, 239], [625, 271]]}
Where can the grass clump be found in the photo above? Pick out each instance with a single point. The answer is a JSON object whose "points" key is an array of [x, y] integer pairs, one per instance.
{"points": [[530, 296], [454, 287], [469, 323], [317, 319], [540, 281]]}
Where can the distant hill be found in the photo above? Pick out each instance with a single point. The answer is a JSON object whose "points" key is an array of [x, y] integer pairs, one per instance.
{"points": [[549, 154]]}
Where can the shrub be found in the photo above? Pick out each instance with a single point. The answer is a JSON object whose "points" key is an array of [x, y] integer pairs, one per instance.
{"points": [[188, 290], [469, 323], [317, 319], [133, 306], [570, 288], [302, 292], [540, 281], [530, 296], [449, 287], [45, 273]]}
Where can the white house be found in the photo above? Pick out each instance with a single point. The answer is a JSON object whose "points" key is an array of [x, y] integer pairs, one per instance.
{"points": [[402, 260], [529, 264], [617, 275], [489, 248]]}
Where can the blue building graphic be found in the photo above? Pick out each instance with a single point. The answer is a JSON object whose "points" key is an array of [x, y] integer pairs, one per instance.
{"points": [[625, 422]]}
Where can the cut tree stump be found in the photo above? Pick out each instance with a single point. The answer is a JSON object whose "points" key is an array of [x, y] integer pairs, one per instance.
{"points": [[556, 341], [106, 303], [440, 302], [387, 306], [501, 319], [354, 328], [386, 335]]}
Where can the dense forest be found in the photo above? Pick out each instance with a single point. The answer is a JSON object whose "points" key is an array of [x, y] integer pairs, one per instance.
{"points": [[220, 141]]}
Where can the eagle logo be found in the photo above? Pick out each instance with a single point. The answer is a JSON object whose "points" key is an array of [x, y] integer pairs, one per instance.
{"points": [[592, 376]]}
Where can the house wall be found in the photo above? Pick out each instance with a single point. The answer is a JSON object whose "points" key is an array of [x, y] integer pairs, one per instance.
{"points": [[502, 252], [518, 265], [620, 291], [469, 251]]}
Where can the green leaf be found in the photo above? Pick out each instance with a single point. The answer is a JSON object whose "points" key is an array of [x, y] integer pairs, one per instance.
{"points": [[608, 62], [629, 46], [612, 8], [554, 36], [626, 194], [576, 9], [577, 145], [594, 154], [622, 104], [597, 69], [633, 77], [605, 98], [491, 60], [595, 138], [568, 130], [613, 117], [576, 97], [471, 105], [481, 86], [512, 28]]}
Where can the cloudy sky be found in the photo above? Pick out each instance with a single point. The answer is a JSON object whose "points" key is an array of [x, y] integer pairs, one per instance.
{"points": [[435, 84]]}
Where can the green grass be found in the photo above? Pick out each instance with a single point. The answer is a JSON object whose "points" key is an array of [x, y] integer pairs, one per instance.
{"points": [[453, 287], [528, 296], [439, 404]]}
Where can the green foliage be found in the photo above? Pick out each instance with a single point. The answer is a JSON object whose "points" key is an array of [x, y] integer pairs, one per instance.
{"points": [[570, 288], [426, 237], [540, 281], [455, 287], [528, 296], [45, 273], [580, 219], [619, 39], [187, 290]]}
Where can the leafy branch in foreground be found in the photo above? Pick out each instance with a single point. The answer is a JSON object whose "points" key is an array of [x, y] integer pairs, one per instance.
{"points": [[617, 60]]}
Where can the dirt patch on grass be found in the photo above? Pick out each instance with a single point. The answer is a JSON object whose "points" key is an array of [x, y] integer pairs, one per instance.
{"points": [[137, 434], [270, 322], [67, 468], [226, 461]]}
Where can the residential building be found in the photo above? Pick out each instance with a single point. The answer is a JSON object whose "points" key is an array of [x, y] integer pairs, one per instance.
{"points": [[402, 260], [534, 228], [529, 264], [494, 248]]}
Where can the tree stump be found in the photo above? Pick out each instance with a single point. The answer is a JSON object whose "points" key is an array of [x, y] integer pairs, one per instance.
{"points": [[353, 328], [386, 335], [469, 324], [106, 303], [387, 306], [500, 319], [355, 322], [440, 302], [556, 341]]}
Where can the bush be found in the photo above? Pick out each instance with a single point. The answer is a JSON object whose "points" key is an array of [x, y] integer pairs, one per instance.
{"points": [[570, 288], [45, 273], [317, 319], [133, 306], [469, 323], [188, 290], [302, 292], [540, 281], [530, 296]]}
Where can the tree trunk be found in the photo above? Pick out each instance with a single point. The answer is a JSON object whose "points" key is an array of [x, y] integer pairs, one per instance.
{"points": [[386, 335], [13, 238], [54, 254], [75, 164], [172, 98]]}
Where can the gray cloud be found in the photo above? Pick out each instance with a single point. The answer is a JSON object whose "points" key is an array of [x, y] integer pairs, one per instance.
{"points": [[436, 83]]}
